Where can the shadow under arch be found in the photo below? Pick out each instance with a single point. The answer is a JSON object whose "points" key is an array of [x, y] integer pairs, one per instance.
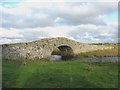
{"points": [[65, 51]]}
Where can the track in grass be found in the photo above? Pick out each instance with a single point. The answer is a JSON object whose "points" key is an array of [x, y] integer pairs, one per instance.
{"points": [[60, 74]]}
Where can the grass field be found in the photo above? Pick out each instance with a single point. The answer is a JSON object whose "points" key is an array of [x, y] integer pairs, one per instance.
{"points": [[60, 74]]}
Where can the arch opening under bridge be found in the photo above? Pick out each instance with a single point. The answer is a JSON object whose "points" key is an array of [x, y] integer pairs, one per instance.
{"points": [[62, 52]]}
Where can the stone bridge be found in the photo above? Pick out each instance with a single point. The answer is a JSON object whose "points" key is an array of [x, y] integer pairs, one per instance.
{"points": [[42, 49]]}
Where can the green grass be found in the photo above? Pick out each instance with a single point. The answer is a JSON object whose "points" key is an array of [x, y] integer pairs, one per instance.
{"points": [[60, 74]]}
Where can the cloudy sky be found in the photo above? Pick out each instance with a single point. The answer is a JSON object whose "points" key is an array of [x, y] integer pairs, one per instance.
{"points": [[86, 22]]}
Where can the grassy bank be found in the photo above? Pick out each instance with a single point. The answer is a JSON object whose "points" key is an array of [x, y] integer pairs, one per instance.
{"points": [[103, 53], [60, 74]]}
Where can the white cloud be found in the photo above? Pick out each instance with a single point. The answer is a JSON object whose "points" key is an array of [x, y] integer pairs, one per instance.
{"points": [[8, 41], [83, 33], [32, 15], [12, 33], [95, 34], [83, 22]]}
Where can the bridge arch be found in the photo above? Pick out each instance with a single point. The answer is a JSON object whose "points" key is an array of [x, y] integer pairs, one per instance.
{"points": [[66, 51]]}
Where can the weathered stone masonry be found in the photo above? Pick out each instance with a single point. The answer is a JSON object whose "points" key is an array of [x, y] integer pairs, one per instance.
{"points": [[43, 48]]}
